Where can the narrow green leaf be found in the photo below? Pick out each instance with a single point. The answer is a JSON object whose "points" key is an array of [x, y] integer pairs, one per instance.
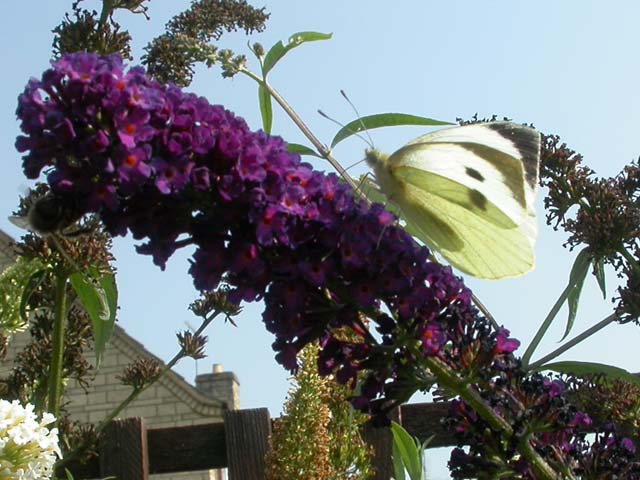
{"points": [[598, 267], [426, 443], [107, 282], [279, 50], [576, 279], [266, 110], [302, 150], [590, 368], [98, 296], [68, 474], [380, 120], [546, 323], [409, 450], [398, 464], [274, 54]]}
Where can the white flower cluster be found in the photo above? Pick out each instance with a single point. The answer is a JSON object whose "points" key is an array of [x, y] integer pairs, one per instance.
{"points": [[28, 449]]}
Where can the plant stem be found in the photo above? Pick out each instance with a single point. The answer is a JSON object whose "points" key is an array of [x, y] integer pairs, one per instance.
{"points": [[322, 150], [484, 311], [630, 259], [545, 325], [107, 8], [448, 378], [573, 342], [54, 385], [471, 397], [539, 466]]}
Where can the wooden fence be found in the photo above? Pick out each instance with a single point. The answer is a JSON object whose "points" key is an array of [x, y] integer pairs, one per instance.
{"points": [[129, 451]]}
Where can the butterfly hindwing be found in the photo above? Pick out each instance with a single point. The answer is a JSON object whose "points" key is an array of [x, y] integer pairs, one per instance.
{"points": [[473, 243]]}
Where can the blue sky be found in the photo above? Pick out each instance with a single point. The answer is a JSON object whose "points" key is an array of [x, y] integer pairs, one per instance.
{"points": [[568, 67]]}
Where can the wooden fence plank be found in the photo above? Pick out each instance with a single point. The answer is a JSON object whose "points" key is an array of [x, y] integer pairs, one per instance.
{"points": [[422, 420], [123, 450], [381, 440], [239, 444], [247, 434], [177, 449]]}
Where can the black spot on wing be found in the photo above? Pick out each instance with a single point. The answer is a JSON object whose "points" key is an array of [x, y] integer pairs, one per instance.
{"points": [[527, 142], [473, 173], [478, 200], [509, 172]]}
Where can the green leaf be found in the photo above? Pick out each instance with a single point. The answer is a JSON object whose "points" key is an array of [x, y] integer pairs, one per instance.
{"points": [[98, 295], [302, 150], [576, 280], [398, 464], [409, 450], [426, 443], [590, 368], [598, 267], [108, 284], [68, 474], [279, 50], [380, 120], [266, 110]]}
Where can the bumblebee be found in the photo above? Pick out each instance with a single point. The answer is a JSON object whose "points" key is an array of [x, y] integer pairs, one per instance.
{"points": [[50, 214]]}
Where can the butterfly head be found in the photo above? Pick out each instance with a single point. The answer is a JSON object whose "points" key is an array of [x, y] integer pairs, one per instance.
{"points": [[375, 158]]}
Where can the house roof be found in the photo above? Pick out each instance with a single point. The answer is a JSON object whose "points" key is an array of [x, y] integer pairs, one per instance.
{"points": [[197, 401], [7, 250]]}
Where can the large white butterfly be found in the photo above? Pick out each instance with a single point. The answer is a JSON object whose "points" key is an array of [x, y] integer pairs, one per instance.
{"points": [[468, 193]]}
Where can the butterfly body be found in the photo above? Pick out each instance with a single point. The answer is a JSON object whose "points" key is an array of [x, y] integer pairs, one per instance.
{"points": [[468, 193]]}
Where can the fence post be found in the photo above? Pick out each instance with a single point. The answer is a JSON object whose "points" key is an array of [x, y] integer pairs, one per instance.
{"points": [[382, 442], [247, 434], [123, 450]]}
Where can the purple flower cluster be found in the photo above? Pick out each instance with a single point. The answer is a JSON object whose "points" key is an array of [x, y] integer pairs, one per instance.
{"points": [[174, 171], [607, 456], [539, 412]]}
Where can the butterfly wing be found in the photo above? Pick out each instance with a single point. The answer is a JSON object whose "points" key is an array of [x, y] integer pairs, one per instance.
{"points": [[469, 192], [486, 246], [498, 149]]}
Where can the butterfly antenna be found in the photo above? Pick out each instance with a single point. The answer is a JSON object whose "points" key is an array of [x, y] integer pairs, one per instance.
{"points": [[354, 164], [355, 110], [341, 125]]}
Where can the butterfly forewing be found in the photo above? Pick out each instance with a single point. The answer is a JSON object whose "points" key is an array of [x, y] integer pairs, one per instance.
{"points": [[504, 154], [480, 184], [519, 142]]}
